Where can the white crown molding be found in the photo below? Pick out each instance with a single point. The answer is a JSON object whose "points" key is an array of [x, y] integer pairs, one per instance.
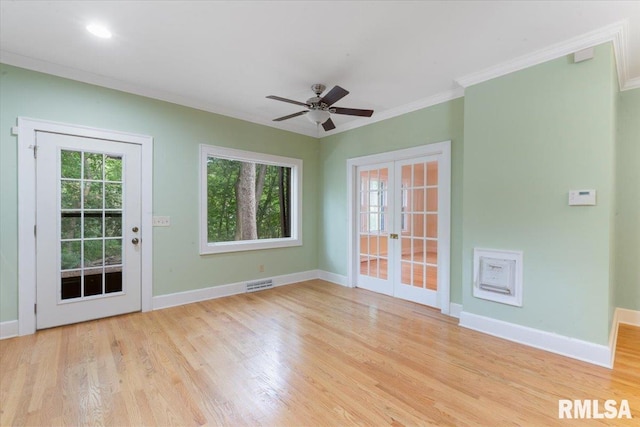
{"points": [[46, 67], [399, 111], [615, 33]]}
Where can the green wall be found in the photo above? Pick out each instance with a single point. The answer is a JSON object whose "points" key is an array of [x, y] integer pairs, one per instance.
{"points": [[530, 137], [441, 122], [627, 236], [177, 133], [519, 144]]}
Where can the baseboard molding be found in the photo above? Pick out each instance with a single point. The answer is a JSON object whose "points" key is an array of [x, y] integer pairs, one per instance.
{"points": [[338, 279], [577, 349], [455, 310], [621, 315], [629, 317], [8, 329], [188, 297]]}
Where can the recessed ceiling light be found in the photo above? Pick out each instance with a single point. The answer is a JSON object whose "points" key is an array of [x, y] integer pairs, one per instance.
{"points": [[99, 31]]}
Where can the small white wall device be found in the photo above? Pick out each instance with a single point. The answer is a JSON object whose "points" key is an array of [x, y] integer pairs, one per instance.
{"points": [[498, 276], [582, 198]]}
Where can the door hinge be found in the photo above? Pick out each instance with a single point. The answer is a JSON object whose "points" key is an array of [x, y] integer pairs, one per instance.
{"points": [[35, 308], [35, 230], [35, 151]]}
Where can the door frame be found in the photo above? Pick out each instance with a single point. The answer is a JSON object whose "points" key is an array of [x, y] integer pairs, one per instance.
{"points": [[27, 151], [443, 149]]}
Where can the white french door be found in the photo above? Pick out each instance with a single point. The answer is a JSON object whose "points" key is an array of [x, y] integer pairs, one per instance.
{"points": [[88, 258], [402, 227]]}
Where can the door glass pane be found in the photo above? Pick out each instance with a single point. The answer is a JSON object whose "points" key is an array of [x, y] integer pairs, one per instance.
{"points": [[419, 236], [93, 166], [374, 222], [432, 252], [432, 173], [418, 200], [432, 200], [406, 272], [418, 251], [113, 168], [92, 282], [113, 224], [70, 225], [93, 224], [432, 225], [71, 166], [92, 195], [90, 235], [113, 280], [113, 196], [70, 255], [71, 284], [418, 275], [113, 252], [432, 278], [93, 255], [417, 228], [70, 194]]}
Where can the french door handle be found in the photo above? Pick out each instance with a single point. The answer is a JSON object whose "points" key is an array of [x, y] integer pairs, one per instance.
{"points": [[135, 241], [393, 236]]}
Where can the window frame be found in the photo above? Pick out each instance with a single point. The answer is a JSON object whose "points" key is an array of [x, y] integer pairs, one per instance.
{"points": [[207, 247]]}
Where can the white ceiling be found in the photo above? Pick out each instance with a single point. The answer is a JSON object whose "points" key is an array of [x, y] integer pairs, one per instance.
{"points": [[225, 57]]}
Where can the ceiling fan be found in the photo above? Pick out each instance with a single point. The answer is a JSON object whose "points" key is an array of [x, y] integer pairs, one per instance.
{"points": [[320, 108]]}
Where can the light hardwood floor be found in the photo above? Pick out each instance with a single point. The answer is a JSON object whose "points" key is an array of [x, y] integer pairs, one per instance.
{"points": [[311, 354]]}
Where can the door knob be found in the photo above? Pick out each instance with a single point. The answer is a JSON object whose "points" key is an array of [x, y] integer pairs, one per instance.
{"points": [[135, 241], [135, 229]]}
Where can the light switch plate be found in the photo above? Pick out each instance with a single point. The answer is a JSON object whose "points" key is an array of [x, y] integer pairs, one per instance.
{"points": [[582, 197], [161, 221]]}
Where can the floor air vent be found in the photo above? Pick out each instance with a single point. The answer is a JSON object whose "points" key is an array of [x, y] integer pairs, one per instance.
{"points": [[259, 285]]}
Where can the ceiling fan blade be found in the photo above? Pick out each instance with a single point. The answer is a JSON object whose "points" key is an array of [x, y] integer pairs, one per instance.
{"points": [[334, 95], [290, 116], [328, 125], [290, 101], [352, 111]]}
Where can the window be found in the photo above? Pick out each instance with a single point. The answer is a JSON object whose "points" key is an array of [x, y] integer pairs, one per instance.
{"points": [[248, 200]]}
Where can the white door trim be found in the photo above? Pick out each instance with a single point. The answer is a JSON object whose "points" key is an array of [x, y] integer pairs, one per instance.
{"points": [[444, 218], [27, 128]]}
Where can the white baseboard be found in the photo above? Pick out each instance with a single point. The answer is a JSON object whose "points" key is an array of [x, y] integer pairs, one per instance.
{"points": [[188, 297], [8, 329], [455, 310], [621, 315], [338, 279], [577, 349], [629, 317]]}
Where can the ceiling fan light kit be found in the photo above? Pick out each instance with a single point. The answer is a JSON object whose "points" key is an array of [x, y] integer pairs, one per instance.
{"points": [[320, 108], [318, 116]]}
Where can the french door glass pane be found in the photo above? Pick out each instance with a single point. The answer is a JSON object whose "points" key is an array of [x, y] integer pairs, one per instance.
{"points": [[420, 224], [90, 213], [374, 222]]}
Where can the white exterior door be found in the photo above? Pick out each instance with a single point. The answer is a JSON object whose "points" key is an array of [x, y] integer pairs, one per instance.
{"points": [[88, 237], [402, 227]]}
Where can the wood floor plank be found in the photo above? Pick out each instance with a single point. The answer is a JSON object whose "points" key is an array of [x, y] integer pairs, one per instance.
{"points": [[312, 354]]}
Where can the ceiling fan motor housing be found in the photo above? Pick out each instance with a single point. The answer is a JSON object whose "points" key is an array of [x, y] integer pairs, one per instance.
{"points": [[320, 107], [318, 88]]}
